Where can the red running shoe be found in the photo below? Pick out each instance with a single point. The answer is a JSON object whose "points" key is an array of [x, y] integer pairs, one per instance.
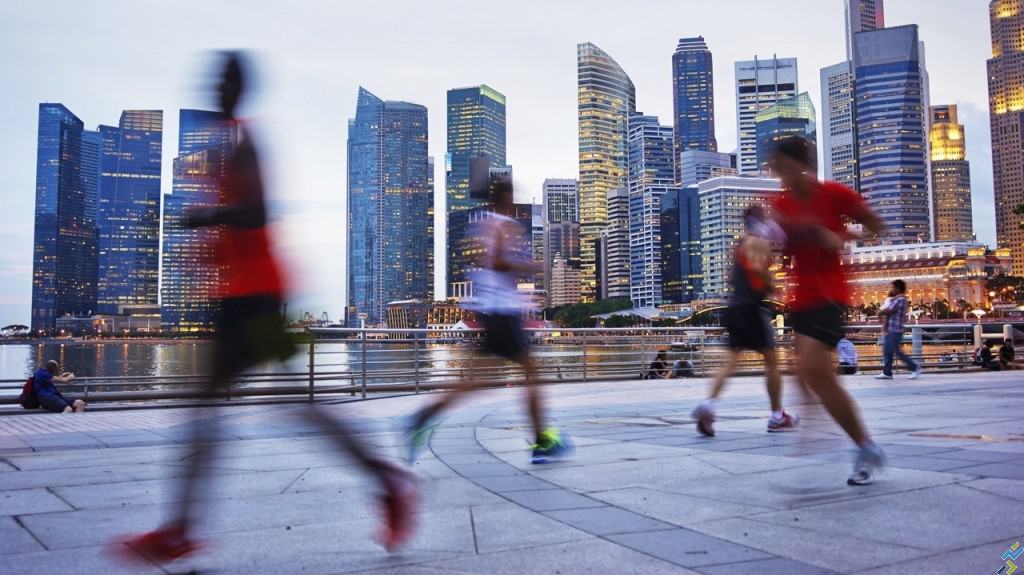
{"points": [[787, 423], [705, 420], [161, 546], [397, 508]]}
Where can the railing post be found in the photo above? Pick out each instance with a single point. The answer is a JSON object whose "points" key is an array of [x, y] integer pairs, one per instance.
{"points": [[584, 357], [363, 362], [643, 352], [311, 367], [416, 359]]}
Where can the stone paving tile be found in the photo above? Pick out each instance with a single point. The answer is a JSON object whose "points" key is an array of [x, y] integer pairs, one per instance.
{"points": [[1003, 470], [60, 441], [982, 456], [15, 539], [970, 561], [808, 545], [551, 499], [688, 548], [475, 470], [158, 491], [607, 520], [491, 528], [766, 567], [92, 457], [741, 463], [656, 473], [576, 558], [884, 518], [1012, 488], [929, 463], [513, 483], [92, 475], [87, 561], [23, 501], [681, 510]]}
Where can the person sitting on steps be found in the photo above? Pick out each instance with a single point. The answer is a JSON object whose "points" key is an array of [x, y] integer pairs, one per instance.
{"points": [[49, 397]]}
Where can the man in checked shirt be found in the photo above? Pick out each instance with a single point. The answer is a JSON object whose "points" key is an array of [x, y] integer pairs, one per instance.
{"points": [[894, 311]]}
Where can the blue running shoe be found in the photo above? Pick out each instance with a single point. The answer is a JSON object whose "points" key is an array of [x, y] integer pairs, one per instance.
{"points": [[552, 447], [416, 437]]}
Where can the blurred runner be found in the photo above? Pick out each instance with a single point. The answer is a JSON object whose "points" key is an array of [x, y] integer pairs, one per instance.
{"points": [[814, 217], [505, 255], [250, 330], [748, 320]]}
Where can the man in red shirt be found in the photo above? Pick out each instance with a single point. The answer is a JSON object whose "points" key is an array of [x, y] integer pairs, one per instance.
{"points": [[814, 216], [250, 330]]}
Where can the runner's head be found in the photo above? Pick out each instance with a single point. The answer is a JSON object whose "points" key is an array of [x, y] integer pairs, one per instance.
{"points": [[231, 84], [501, 192], [792, 158]]}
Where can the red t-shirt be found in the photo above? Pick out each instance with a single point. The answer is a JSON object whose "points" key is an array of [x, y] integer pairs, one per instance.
{"points": [[820, 277], [248, 264]]}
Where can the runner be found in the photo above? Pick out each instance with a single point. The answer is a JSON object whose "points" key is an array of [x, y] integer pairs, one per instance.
{"points": [[249, 331], [813, 215], [894, 310], [748, 320], [505, 254]]}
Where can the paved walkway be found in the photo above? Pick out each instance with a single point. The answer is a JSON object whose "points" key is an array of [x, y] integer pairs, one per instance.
{"points": [[645, 493]]}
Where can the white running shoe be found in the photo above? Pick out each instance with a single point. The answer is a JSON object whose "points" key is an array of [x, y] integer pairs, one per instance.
{"points": [[916, 374], [883, 376]]}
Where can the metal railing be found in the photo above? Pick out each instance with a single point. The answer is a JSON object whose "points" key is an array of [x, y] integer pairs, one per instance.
{"points": [[357, 362]]}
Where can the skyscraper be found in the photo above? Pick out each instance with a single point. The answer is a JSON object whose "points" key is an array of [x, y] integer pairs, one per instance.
{"points": [[476, 128], [693, 97], [722, 203], [951, 177], [389, 206], [1006, 116], [697, 165], [561, 200], [606, 100], [839, 158], [189, 271], [537, 238], [651, 174], [128, 211], [681, 275], [862, 16], [759, 84], [64, 243], [891, 115], [614, 246], [785, 118]]}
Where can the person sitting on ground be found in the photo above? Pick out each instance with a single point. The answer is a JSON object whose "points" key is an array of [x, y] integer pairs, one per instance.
{"points": [[847, 357], [659, 368], [983, 357], [682, 368], [1007, 355], [49, 397]]}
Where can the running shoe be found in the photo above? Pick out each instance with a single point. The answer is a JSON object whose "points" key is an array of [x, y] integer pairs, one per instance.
{"points": [[416, 437], [552, 447], [869, 459], [786, 423], [883, 376], [916, 373], [160, 546], [705, 420], [398, 506]]}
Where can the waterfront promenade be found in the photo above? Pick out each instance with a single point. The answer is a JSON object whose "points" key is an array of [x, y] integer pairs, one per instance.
{"points": [[645, 493]]}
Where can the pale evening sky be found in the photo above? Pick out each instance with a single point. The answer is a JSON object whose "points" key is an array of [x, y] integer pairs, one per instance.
{"points": [[100, 57]]}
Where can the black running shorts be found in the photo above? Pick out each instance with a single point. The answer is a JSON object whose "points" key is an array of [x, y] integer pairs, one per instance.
{"points": [[504, 336], [824, 323], [749, 327]]}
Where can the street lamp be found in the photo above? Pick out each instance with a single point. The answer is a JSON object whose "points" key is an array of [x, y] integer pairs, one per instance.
{"points": [[978, 313]]}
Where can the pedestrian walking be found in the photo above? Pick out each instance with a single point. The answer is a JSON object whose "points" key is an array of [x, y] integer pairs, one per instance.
{"points": [[894, 314]]}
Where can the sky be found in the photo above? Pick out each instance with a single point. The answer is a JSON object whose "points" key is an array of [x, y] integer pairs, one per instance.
{"points": [[101, 57]]}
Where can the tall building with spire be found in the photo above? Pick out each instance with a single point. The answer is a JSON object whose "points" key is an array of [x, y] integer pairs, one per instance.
{"points": [[693, 98], [1006, 116], [606, 100], [862, 16], [390, 204], [951, 177]]}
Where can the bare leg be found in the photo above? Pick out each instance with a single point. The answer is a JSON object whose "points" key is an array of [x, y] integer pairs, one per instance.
{"points": [[814, 368], [718, 384], [773, 380], [446, 401], [67, 409], [79, 406], [534, 399]]}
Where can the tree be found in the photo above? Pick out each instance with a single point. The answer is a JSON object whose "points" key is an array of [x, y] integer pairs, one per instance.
{"points": [[620, 321], [579, 315], [1008, 288], [941, 309]]}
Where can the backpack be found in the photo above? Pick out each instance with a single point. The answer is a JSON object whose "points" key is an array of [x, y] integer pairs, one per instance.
{"points": [[28, 398]]}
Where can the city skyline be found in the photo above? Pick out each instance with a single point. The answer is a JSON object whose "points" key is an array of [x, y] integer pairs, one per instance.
{"points": [[542, 126]]}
